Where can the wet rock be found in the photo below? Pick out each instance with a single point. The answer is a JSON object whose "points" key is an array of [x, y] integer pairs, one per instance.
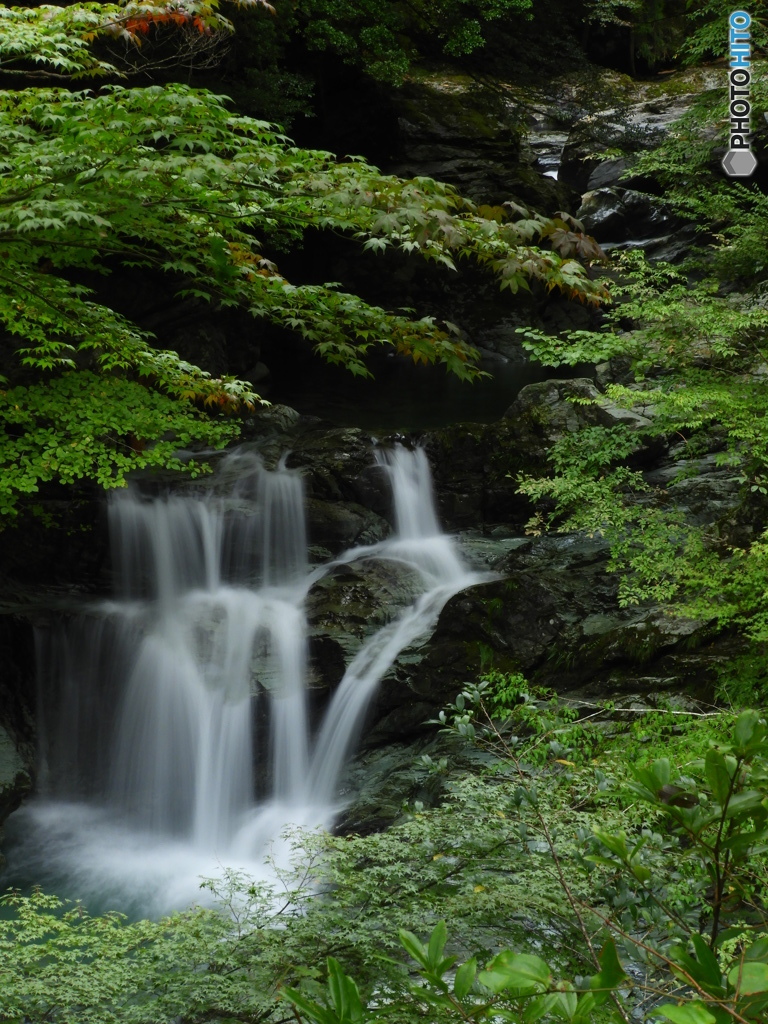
{"points": [[455, 130], [706, 490], [647, 636], [546, 142], [546, 412], [616, 214], [17, 746], [474, 467], [607, 172], [636, 124], [671, 248], [351, 602], [327, 662], [588, 139], [554, 616], [338, 465], [337, 526]]}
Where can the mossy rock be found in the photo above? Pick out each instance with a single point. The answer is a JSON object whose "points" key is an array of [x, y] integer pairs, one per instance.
{"points": [[455, 130], [354, 600], [337, 526]]}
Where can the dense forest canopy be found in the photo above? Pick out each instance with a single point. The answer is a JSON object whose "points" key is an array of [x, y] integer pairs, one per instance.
{"points": [[101, 173], [168, 178]]}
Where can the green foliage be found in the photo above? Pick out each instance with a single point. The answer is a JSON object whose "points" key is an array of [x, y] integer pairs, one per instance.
{"points": [[698, 362], [718, 810], [538, 726], [710, 835], [552, 879], [82, 425], [514, 987], [61, 964], [685, 166], [254, 66], [744, 679], [383, 37], [708, 33], [58, 40], [169, 180]]}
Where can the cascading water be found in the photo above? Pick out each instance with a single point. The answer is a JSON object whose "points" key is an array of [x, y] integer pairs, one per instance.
{"points": [[147, 701]]}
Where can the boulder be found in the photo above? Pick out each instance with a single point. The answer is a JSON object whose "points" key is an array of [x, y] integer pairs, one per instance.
{"points": [[617, 214], [546, 412], [350, 603], [338, 465], [337, 526], [635, 125], [554, 616], [456, 130], [474, 467], [709, 492]]}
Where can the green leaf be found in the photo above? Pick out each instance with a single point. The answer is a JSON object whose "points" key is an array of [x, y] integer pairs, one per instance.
{"points": [[745, 802], [567, 1002], [748, 727], [465, 977], [611, 972], [587, 1004], [313, 1010], [750, 977], [344, 993], [436, 946], [413, 946], [757, 951], [718, 776], [519, 971], [616, 843], [694, 1012], [539, 1007], [710, 975]]}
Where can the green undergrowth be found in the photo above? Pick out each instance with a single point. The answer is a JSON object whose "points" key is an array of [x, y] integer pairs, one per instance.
{"points": [[591, 840]]}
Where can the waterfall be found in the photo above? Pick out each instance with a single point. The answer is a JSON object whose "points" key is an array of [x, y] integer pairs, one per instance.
{"points": [[419, 543], [148, 700]]}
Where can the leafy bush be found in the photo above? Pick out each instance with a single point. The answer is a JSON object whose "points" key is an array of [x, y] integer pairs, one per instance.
{"points": [[582, 897]]}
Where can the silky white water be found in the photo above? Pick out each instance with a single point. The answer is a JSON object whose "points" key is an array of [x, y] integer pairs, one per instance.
{"points": [[151, 770]]}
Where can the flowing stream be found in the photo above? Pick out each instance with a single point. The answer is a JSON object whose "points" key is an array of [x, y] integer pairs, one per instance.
{"points": [[149, 702]]}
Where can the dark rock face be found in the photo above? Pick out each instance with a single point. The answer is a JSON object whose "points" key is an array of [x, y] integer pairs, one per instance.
{"points": [[17, 740], [613, 214], [544, 413], [336, 526], [454, 130], [555, 618], [348, 605], [474, 466], [637, 124], [620, 207], [338, 465]]}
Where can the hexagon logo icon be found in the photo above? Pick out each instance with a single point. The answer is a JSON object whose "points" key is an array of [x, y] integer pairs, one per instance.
{"points": [[739, 163]]}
